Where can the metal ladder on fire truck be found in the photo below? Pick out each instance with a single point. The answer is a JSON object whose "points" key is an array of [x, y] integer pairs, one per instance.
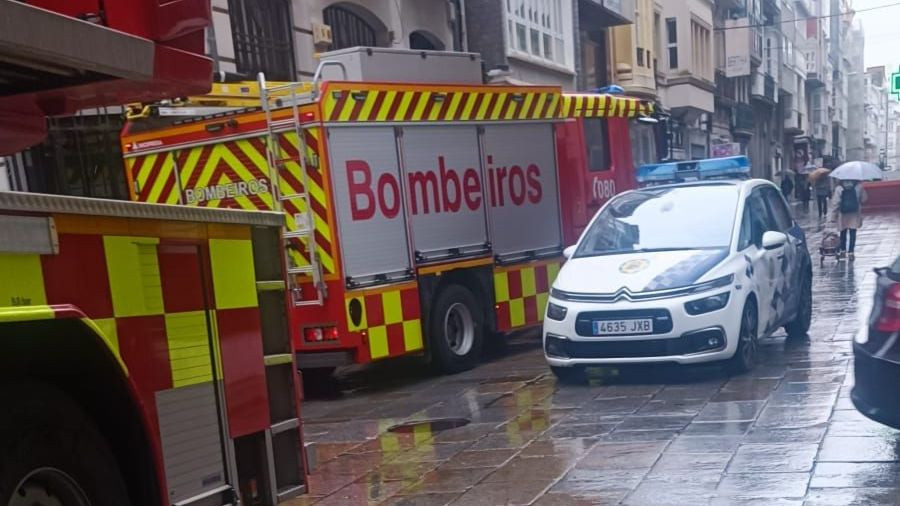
{"points": [[294, 95]]}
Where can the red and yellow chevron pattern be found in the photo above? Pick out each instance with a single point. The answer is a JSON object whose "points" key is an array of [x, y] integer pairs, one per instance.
{"points": [[235, 174], [521, 293], [295, 209], [592, 105], [371, 104], [388, 319]]}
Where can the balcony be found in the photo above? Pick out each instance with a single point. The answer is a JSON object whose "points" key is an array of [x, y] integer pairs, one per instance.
{"points": [[793, 122], [821, 132], [726, 94], [763, 88], [743, 119]]}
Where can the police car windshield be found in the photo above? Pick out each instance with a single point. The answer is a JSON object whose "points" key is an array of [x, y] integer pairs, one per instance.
{"points": [[663, 219]]}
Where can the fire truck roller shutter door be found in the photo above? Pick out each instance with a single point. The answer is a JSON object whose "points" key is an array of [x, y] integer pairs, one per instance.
{"points": [[520, 169], [369, 201], [444, 190]]}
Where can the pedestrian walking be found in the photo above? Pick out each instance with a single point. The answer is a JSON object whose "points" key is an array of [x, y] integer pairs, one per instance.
{"points": [[849, 198], [822, 186], [803, 190], [787, 186]]}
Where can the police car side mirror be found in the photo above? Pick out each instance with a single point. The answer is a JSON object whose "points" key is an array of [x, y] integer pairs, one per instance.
{"points": [[773, 240], [568, 252]]}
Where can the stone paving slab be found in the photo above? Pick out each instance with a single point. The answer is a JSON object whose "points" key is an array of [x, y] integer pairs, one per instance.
{"points": [[783, 434]]}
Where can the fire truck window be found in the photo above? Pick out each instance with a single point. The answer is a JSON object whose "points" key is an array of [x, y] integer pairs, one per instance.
{"points": [[597, 144], [643, 142]]}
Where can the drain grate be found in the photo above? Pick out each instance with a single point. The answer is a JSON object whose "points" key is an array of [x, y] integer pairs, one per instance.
{"points": [[435, 425]]}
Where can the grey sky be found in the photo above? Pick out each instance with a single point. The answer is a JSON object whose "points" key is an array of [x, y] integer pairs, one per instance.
{"points": [[882, 34]]}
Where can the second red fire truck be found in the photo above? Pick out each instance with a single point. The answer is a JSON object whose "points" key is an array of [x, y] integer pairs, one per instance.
{"points": [[421, 218]]}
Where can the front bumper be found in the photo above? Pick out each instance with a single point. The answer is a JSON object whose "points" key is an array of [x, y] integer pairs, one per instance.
{"points": [[875, 387], [687, 339]]}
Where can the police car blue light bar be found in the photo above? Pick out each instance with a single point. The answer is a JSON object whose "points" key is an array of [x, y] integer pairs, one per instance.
{"points": [[694, 170]]}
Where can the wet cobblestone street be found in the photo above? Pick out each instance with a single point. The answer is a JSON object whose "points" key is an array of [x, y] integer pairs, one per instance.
{"points": [[785, 434]]}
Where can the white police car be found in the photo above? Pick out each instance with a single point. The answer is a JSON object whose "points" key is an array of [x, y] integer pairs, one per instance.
{"points": [[687, 272]]}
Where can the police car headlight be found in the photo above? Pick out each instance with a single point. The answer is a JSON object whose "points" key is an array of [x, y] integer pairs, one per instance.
{"points": [[556, 312], [707, 304]]}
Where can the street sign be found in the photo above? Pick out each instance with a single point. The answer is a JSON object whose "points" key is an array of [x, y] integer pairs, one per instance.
{"points": [[895, 84]]}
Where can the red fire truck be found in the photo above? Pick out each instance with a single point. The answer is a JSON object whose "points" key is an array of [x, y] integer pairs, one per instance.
{"points": [[422, 218], [146, 359]]}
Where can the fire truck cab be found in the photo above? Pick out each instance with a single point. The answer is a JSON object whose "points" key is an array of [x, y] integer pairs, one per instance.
{"points": [[422, 218], [601, 141]]}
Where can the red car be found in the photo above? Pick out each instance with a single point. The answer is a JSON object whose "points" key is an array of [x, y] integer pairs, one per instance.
{"points": [[876, 352]]}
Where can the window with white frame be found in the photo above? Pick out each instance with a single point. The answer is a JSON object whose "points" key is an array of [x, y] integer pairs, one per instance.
{"points": [[672, 42], [539, 29], [700, 50]]}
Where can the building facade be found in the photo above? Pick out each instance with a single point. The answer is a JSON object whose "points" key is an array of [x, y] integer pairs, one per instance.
{"points": [[282, 37], [686, 77], [875, 133], [856, 97]]}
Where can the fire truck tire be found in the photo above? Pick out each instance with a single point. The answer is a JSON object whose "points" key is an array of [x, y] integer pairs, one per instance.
{"points": [[51, 452], [456, 330]]}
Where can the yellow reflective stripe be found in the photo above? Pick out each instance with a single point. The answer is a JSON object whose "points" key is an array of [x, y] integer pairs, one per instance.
{"points": [[552, 271], [393, 311], [347, 107], [144, 169], [362, 320], [528, 285], [26, 313], [234, 280], [412, 335], [386, 105], [454, 104], [165, 172], [378, 342], [498, 105], [424, 98], [368, 104], [529, 98], [501, 287], [553, 109], [106, 329], [134, 282], [243, 175], [217, 349], [542, 304], [542, 99], [189, 354], [482, 112], [517, 312], [471, 98], [21, 280]]}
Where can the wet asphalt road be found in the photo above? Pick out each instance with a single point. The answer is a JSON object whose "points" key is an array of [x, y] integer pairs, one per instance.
{"points": [[785, 434]]}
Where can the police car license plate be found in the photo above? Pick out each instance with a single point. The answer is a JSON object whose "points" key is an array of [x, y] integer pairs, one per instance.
{"points": [[623, 327]]}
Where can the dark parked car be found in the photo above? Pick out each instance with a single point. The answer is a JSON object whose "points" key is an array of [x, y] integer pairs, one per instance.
{"points": [[877, 353]]}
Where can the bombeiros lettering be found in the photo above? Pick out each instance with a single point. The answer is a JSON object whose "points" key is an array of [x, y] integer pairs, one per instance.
{"points": [[444, 190], [226, 191]]}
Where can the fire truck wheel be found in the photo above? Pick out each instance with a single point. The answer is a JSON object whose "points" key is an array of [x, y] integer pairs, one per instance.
{"points": [[52, 454], [456, 330]]}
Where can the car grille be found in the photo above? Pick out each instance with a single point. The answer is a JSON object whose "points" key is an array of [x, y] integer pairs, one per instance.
{"points": [[693, 342], [662, 319]]}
